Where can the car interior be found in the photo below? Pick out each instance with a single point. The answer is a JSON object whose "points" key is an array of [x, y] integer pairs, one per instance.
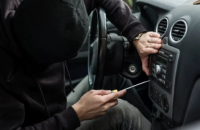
{"points": [[170, 100]]}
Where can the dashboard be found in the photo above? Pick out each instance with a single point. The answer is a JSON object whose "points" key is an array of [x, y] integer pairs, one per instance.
{"points": [[174, 72]]}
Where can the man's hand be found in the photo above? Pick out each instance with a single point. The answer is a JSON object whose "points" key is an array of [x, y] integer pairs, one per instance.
{"points": [[149, 43], [95, 103]]}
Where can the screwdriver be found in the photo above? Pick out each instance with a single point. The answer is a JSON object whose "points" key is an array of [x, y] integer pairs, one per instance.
{"points": [[114, 91]]}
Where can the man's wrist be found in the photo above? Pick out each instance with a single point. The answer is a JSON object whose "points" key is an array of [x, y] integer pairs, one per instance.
{"points": [[137, 37], [78, 111]]}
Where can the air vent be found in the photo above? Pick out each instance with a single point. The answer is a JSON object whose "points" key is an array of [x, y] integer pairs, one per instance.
{"points": [[178, 31], [162, 27]]}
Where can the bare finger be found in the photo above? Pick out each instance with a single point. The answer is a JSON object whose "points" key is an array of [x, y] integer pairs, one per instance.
{"points": [[108, 92], [121, 93], [114, 95], [154, 40], [146, 70], [150, 51], [153, 45], [145, 66], [100, 92], [112, 103], [154, 34], [109, 105]]}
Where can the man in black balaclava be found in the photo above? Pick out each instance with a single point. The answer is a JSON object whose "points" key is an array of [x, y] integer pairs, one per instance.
{"points": [[36, 38]]}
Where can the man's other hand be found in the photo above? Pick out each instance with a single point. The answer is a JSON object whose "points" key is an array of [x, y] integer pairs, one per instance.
{"points": [[95, 103], [149, 43]]}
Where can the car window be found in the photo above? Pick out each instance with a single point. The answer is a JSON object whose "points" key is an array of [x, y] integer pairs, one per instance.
{"points": [[129, 3], [132, 5]]}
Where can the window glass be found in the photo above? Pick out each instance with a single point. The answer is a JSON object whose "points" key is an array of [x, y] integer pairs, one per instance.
{"points": [[132, 5], [129, 3]]}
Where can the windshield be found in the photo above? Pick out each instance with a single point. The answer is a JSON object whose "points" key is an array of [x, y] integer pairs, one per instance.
{"points": [[175, 2]]}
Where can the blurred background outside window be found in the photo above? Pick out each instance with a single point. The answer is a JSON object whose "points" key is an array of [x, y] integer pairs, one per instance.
{"points": [[132, 5]]}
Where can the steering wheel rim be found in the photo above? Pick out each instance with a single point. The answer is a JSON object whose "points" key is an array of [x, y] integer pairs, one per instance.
{"points": [[97, 46]]}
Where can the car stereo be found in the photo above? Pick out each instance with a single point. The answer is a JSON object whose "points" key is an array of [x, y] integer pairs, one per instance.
{"points": [[163, 68]]}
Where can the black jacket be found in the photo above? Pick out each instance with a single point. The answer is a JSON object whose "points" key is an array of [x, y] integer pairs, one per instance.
{"points": [[25, 89]]}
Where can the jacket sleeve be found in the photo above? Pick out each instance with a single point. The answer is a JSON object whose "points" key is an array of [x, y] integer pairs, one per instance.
{"points": [[118, 12], [12, 116]]}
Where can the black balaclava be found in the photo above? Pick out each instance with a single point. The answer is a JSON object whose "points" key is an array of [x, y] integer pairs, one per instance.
{"points": [[50, 31]]}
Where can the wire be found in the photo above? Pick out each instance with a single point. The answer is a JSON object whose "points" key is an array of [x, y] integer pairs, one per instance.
{"points": [[43, 98], [70, 81], [42, 94]]}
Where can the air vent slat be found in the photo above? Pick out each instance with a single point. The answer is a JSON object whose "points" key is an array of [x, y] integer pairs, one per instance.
{"points": [[178, 30], [177, 35], [183, 28], [182, 32], [162, 27], [182, 25], [163, 24], [176, 38], [161, 31]]}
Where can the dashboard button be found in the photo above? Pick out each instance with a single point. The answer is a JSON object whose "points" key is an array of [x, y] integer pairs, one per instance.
{"points": [[157, 69], [163, 76], [161, 52], [154, 75], [163, 82], [171, 58], [164, 71], [160, 80]]}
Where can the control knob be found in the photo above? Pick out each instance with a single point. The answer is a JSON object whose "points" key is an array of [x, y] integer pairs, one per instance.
{"points": [[157, 69]]}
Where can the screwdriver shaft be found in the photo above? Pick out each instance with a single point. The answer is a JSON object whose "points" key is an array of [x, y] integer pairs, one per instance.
{"points": [[136, 85]]}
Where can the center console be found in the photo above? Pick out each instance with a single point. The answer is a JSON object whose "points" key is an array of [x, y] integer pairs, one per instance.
{"points": [[163, 68]]}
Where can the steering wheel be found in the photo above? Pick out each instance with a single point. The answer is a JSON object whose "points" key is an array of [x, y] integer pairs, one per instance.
{"points": [[97, 48], [109, 54]]}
